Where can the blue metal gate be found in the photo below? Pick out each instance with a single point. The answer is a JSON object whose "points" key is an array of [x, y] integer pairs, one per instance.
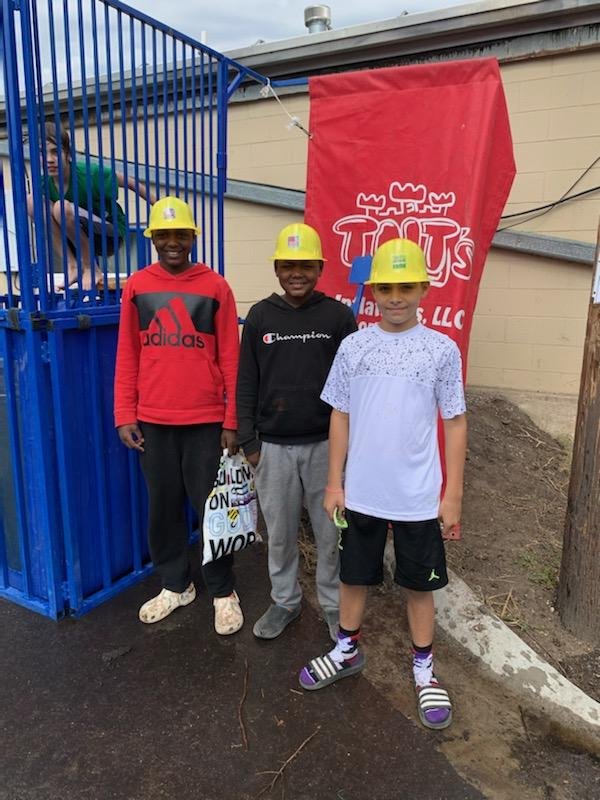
{"points": [[148, 107]]}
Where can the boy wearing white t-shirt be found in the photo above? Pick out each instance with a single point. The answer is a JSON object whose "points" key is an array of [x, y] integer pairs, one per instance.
{"points": [[386, 386]]}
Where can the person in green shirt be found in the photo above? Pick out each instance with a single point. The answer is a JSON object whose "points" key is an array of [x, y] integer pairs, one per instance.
{"points": [[69, 179]]}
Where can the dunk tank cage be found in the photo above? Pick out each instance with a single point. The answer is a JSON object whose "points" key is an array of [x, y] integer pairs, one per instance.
{"points": [[149, 105]]}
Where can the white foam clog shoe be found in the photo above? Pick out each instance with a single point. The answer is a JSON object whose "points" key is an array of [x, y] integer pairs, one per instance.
{"points": [[165, 603], [228, 614]]}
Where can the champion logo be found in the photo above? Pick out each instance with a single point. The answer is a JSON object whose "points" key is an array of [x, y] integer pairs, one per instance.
{"points": [[271, 338]]}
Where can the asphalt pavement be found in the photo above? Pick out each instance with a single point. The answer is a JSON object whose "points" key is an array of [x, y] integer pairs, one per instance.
{"points": [[107, 708]]}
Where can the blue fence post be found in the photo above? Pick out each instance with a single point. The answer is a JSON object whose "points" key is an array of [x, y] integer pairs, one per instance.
{"points": [[221, 162], [26, 371], [15, 135]]}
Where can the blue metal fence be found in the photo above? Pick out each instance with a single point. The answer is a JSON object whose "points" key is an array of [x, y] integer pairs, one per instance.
{"points": [[145, 111]]}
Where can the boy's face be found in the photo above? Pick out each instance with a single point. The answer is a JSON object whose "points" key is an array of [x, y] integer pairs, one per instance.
{"points": [[174, 246], [53, 156], [398, 304], [298, 279]]}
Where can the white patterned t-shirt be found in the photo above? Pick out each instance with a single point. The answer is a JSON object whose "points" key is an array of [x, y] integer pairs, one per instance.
{"points": [[393, 385]]}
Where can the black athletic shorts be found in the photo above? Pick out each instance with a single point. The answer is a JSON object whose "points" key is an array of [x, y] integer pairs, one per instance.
{"points": [[97, 231], [419, 549]]}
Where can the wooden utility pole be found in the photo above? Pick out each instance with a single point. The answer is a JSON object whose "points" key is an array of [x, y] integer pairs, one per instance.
{"points": [[579, 581]]}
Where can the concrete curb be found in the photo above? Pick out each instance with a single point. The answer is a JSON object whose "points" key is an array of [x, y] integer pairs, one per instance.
{"points": [[556, 706]]}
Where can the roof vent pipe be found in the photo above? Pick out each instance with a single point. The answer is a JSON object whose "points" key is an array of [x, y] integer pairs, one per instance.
{"points": [[317, 18]]}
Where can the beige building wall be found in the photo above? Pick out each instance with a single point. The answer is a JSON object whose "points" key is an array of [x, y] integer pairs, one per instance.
{"points": [[530, 319], [554, 106], [529, 326], [251, 231], [263, 148]]}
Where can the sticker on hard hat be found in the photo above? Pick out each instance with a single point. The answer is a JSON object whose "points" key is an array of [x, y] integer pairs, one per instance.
{"points": [[399, 261], [293, 242], [169, 213]]}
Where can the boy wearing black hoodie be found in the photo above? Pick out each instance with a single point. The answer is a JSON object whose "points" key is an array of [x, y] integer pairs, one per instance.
{"points": [[288, 345]]}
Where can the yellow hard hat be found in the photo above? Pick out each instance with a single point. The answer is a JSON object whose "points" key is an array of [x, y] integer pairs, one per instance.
{"points": [[398, 261], [170, 212], [298, 242]]}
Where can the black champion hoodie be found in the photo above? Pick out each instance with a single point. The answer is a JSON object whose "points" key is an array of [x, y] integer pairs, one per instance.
{"points": [[285, 358]]}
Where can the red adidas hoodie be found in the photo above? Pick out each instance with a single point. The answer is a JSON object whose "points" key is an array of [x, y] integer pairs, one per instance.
{"points": [[177, 354]]}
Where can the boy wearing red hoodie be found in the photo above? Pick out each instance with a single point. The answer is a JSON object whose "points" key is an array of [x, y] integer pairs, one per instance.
{"points": [[175, 385]]}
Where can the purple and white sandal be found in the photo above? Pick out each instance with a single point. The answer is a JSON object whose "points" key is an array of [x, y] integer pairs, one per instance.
{"points": [[435, 709], [323, 670]]}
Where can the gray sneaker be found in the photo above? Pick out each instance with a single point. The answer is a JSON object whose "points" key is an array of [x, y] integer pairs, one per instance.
{"points": [[274, 621], [332, 618]]}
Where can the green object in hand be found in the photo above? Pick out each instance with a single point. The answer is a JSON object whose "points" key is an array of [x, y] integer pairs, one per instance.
{"points": [[339, 520]]}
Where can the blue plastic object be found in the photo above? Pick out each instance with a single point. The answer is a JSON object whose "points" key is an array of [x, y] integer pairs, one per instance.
{"points": [[359, 273]]}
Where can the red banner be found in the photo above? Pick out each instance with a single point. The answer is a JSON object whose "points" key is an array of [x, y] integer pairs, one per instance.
{"points": [[421, 152]]}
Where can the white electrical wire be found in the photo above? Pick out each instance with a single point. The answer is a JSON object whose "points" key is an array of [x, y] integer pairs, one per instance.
{"points": [[294, 121]]}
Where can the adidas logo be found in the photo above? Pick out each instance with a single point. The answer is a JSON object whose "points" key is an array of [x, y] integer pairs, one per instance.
{"points": [[175, 339]]}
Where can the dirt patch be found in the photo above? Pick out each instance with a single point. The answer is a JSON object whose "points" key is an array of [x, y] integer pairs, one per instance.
{"points": [[516, 484]]}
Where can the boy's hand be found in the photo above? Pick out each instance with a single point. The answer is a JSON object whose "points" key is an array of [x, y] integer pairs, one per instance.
{"points": [[229, 441], [131, 436], [253, 459], [449, 516], [334, 499]]}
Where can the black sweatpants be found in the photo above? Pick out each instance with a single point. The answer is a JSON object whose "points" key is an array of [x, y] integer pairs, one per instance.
{"points": [[180, 460]]}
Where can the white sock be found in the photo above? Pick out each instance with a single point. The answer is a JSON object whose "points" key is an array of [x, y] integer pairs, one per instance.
{"points": [[423, 668], [346, 647]]}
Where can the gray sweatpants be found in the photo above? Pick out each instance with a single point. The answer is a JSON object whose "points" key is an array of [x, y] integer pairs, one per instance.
{"points": [[285, 476]]}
